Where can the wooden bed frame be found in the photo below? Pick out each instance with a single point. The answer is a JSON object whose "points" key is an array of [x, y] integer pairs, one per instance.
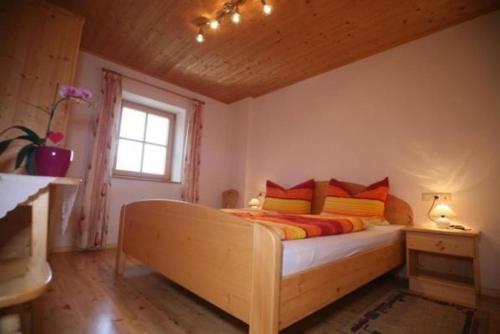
{"points": [[236, 264]]}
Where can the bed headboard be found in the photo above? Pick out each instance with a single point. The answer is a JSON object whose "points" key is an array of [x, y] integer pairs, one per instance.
{"points": [[397, 211]]}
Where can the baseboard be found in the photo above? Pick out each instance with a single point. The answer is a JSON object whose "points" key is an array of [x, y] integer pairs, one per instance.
{"points": [[67, 249], [62, 249]]}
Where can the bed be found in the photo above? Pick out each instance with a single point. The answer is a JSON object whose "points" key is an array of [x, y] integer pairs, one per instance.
{"points": [[239, 266]]}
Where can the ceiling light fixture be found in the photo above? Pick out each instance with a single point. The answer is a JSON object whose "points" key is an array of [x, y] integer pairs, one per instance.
{"points": [[230, 8]]}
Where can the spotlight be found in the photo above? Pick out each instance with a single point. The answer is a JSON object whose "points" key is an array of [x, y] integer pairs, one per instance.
{"points": [[200, 38], [266, 8], [236, 17], [214, 24]]}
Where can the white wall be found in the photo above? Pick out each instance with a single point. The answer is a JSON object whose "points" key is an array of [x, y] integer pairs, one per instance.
{"points": [[426, 114], [214, 153]]}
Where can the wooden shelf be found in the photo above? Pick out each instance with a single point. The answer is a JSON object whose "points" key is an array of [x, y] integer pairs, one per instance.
{"points": [[443, 289], [447, 279], [27, 286], [70, 181]]}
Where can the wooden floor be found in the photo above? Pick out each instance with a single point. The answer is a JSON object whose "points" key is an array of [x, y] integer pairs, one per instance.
{"points": [[87, 297]]}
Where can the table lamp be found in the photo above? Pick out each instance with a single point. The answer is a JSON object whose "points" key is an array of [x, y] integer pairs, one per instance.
{"points": [[440, 215], [254, 203]]}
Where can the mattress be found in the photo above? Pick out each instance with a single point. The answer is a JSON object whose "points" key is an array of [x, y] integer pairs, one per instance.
{"points": [[304, 254]]}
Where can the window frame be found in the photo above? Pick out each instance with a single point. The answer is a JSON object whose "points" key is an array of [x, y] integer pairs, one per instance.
{"points": [[118, 173]]}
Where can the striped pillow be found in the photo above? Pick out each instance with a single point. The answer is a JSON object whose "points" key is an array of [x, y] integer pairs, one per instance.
{"points": [[367, 203], [294, 200]]}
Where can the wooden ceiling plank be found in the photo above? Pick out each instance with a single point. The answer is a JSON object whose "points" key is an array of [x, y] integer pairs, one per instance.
{"points": [[263, 53]]}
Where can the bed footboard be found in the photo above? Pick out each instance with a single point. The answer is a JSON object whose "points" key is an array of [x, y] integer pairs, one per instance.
{"points": [[230, 262]]}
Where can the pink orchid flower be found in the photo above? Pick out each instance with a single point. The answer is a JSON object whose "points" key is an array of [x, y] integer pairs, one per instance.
{"points": [[70, 91], [86, 93]]}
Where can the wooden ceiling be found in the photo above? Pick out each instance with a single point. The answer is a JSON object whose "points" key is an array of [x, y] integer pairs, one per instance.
{"points": [[300, 39]]}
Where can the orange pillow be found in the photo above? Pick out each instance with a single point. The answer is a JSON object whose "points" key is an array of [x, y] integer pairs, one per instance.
{"points": [[297, 199], [367, 203]]}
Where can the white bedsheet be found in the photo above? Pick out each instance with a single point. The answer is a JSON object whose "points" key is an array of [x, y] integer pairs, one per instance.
{"points": [[304, 254]]}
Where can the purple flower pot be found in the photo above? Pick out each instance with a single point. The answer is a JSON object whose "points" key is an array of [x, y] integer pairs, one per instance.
{"points": [[52, 161]]}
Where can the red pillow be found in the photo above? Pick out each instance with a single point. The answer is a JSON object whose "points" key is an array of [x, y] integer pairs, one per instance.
{"points": [[367, 203], [297, 199]]}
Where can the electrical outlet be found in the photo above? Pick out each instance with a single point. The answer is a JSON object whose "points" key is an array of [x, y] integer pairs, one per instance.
{"points": [[445, 197]]}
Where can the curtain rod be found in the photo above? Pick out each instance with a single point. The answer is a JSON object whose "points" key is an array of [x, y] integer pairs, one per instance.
{"points": [[155, 86]]}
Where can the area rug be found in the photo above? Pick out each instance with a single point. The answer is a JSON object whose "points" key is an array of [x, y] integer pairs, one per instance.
{"points": [[401, 312]]}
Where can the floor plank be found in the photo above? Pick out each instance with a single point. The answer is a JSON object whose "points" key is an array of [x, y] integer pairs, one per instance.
{"points": [[87, 297]]}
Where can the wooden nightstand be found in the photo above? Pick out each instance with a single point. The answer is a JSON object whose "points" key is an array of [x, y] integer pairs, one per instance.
{"points": [[443, 264]]}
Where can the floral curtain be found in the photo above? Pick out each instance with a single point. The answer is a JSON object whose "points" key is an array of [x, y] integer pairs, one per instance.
{"points": [[94, 216], [193, 155]]}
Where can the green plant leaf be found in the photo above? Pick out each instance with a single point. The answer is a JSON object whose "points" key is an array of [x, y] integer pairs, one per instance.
{"points": [[35, 140], [23, 153], [30, 134], [4, 144], [31, 162]]}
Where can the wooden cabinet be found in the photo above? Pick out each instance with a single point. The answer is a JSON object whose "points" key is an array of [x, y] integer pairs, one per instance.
{"points": [[40, 44], [443, 264]]}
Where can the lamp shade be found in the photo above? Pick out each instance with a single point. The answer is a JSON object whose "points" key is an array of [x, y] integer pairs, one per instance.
{"points": [[442, 210]]}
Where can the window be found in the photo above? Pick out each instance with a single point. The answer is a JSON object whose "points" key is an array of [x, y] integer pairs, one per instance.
{"points": [[145, 141]]}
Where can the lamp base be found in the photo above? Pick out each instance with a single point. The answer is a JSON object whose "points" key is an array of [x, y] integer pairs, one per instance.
{"points": [[442, 224]]}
